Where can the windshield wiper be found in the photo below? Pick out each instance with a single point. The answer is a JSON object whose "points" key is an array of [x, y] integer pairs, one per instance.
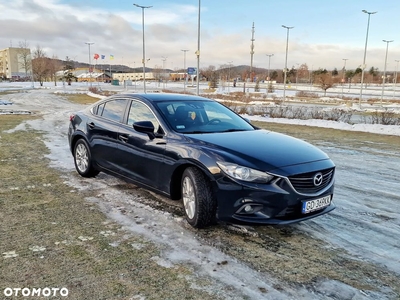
{"points": [[233, 130], [194, 132], [221, 131]]}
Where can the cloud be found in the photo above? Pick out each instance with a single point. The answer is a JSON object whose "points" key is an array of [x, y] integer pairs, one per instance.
{"points": [[62, 28]]}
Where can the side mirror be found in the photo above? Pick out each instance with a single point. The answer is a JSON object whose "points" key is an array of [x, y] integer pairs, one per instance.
{"points": [[145, 127]]}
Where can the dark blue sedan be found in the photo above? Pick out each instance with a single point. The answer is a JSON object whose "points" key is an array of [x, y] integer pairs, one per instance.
{"points": [[196, 149]]}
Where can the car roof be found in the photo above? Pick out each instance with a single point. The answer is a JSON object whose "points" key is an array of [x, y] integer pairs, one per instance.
{"points": [[159, 97]]}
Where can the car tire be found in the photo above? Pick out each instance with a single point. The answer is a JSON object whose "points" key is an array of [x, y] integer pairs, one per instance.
{"points": [[198, 198], [83, 159]]}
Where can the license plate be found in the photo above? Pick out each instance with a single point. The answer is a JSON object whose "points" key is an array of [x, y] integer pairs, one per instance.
{"points": [[316, 204]]}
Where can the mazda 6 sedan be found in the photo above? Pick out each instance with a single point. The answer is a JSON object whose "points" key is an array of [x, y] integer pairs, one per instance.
{"points": [[199, 151]]}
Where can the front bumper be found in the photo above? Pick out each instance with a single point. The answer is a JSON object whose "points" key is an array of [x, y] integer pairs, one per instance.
{"points": [[275, 203]]}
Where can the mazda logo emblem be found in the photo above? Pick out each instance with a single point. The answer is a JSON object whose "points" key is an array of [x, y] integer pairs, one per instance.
{"points": [[318, 179]]}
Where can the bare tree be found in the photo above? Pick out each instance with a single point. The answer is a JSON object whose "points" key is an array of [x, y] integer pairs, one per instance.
{"points": [[207, 72], [157, 72], [24, 57], [211, 74], [325, 81], [40, 65], [55, 65], [224, 72], [303, 73], [245, 75]]}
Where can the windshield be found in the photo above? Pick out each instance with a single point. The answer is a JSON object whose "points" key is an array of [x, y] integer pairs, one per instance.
{"points": [[201, 117]]}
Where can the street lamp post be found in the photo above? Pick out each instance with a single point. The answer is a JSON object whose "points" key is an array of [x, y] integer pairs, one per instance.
{"points": [[384, 69], [395, 77], [90, 62], [229, 74], [344, 70], [134, 72], [285, 70], [269, 65], [144, 51], [198, 51], [365, 55], [184, 68], [164, 58]]}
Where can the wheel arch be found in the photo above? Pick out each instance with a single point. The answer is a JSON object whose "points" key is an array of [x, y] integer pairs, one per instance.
{"points": [[77, 136], [175, 183]]}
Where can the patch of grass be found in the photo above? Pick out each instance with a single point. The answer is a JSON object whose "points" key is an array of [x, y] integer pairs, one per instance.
{"points": [[295, 258], [9, 92], [99, 91], [52, 237], [10, 121], [322, 136], [81, 98]]}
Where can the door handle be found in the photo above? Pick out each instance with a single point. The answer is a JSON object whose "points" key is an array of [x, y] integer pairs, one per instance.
{"points": [[123, 138], [91, 125]]}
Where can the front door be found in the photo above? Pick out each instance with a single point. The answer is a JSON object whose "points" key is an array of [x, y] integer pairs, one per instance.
{"points": [[140, 157]]}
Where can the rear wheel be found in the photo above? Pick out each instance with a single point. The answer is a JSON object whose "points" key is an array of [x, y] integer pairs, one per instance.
{"points": [[83, 159], [198, 198]]}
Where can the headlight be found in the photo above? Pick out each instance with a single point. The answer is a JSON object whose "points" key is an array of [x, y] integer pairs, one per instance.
{"points": [[244, 173]]}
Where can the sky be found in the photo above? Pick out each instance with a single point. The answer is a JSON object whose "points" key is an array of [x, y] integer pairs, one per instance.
{"points": [[326, 34]]}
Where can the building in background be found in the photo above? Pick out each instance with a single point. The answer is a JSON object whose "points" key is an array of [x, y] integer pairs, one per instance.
{"points": [[15, 63], [132, 76]]}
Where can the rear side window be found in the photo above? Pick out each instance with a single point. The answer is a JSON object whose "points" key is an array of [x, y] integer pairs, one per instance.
{"points": [[113, 110]]}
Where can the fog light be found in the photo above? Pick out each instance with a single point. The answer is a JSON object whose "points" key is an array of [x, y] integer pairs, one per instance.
{"points": [[248, 209]]}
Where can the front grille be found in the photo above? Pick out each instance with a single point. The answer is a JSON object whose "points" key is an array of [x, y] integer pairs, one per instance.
{"points": [[304, 183]]}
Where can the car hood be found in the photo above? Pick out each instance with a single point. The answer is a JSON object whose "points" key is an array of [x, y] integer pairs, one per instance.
{"points": [[260, 149]]}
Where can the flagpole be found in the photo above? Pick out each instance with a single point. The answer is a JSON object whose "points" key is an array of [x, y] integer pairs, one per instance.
{"points": [[103, 70], [97, 77]]}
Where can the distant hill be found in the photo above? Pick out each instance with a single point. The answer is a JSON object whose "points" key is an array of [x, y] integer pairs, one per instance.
{"points": [[235, 70]]}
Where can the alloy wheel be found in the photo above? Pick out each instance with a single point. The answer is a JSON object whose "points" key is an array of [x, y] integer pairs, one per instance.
{"points": [[82, 158], [189, 198]]}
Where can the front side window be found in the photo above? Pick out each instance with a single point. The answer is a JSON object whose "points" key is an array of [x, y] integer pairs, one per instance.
{"points": [[113, 110], [140, 112]]}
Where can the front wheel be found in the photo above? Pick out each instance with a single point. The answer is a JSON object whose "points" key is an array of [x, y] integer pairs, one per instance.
{"points": [[83, 159], [198, 198]]}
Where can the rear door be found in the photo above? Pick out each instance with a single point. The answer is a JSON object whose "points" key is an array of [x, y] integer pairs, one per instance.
{"points": [[103, 130]]}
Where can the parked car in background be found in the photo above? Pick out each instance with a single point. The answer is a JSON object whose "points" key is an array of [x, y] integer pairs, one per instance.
{"points": [[195, 149]]}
